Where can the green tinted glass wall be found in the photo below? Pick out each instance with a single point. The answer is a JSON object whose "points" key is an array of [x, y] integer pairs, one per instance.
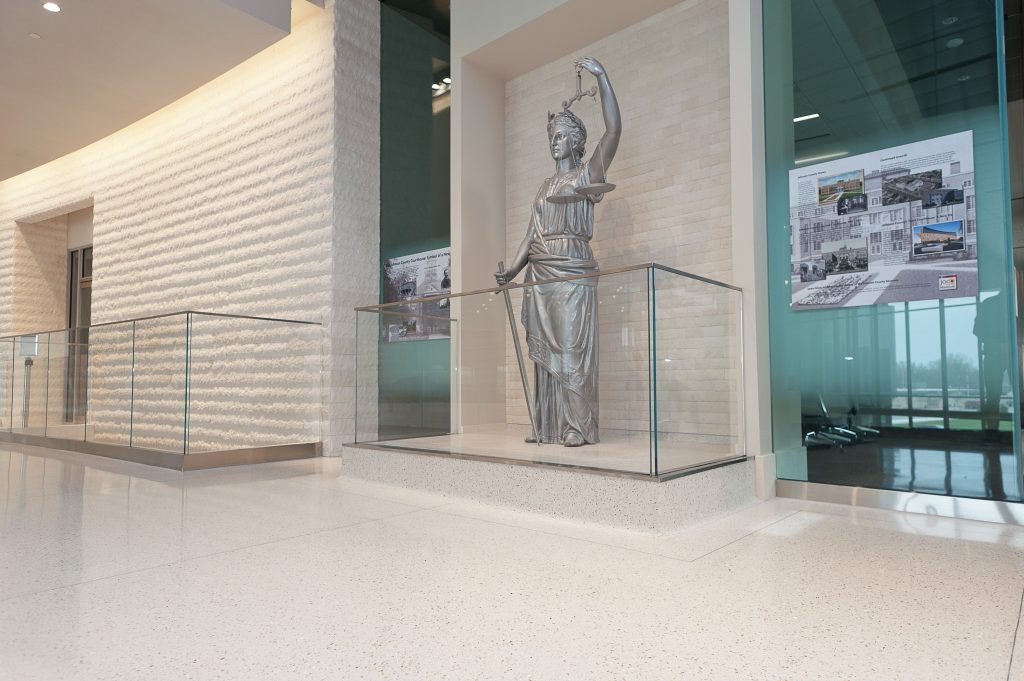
{"points": [[414, 211], [898, 393]]}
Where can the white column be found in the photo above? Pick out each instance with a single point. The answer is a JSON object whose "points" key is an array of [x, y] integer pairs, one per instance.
{"points": [[749, 231]]}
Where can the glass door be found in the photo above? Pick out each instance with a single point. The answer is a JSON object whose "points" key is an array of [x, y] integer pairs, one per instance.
{"points": [[79, 319]]}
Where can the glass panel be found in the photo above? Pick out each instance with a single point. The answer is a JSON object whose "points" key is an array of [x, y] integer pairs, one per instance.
{"points": [[109, 380], [86, 264], [65, 355], [7, 349], [158, 414], [481, 385], [697, 369], [411, 393], [252, 383], [73, 289], [30, 384], [926, 369], [403, 392], [85, 305], [890, 265]]}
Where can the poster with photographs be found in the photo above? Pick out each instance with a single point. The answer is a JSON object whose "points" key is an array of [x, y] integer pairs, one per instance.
{"points": [[416, 276], [885, 227]]}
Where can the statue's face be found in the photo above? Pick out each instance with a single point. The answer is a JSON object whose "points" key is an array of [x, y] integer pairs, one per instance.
{"points": [[561, 142]]}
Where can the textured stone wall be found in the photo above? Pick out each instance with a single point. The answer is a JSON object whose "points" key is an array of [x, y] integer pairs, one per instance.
{"points": [[672, 206], [39, 281], [38, 304], [256, 194], [355, 237]]}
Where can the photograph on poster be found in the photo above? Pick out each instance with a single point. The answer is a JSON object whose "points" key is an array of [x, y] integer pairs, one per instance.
{"points": [[811, 270], [416, 276], [835, 187], [888, 226], [942, 237], [943, 197], [846, 256], [852, 203], [910, 187]]}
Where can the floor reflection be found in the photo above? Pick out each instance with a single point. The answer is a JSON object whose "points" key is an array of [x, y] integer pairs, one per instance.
{"points": [[984, 471]]}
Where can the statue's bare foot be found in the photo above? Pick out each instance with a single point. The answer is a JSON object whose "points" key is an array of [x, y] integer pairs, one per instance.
{"points": [[573, 439]]}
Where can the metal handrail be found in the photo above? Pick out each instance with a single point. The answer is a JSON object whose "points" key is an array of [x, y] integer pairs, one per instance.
{"points": [[161, 316], [515, 285]]}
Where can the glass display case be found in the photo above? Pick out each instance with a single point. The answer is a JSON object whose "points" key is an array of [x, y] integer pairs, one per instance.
{"points": [[669, 374]]}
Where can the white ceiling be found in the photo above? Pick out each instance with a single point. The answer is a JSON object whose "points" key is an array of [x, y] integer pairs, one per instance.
{"points": [[100, 65]]}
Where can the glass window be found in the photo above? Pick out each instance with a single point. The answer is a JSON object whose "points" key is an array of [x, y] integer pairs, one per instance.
{"points": [[87, 263], [891, 370]]}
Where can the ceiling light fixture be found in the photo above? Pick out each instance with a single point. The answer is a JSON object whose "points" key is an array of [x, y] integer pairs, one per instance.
{"points": [[447, 80], [949, 21], [824, 157], [435, 86], [805, 118], [51, 7], [954, 42]]}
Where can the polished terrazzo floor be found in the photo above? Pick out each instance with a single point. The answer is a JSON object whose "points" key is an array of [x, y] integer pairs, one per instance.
{"points": [[288, 571]]}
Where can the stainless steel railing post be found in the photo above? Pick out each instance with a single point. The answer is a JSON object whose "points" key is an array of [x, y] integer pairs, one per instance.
{"points": [[27, 392]]}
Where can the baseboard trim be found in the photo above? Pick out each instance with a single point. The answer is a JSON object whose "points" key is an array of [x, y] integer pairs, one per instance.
{"points": [[962, 508], [173, 460]]}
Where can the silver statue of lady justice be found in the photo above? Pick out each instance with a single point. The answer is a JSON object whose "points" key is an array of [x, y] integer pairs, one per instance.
{"points": [[561, 318]]}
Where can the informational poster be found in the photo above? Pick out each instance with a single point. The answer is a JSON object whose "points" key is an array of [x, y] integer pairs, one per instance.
{"points": [[416, 276], [885, 227]]}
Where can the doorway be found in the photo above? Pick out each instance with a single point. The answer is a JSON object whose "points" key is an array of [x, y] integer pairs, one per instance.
{"points": [[79, 308]]}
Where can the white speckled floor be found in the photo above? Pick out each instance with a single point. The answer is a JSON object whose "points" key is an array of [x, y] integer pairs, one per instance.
{"points": [[287, 571]]}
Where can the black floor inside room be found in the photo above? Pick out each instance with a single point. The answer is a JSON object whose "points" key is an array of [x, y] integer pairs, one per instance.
{"points": [[926, 465]]}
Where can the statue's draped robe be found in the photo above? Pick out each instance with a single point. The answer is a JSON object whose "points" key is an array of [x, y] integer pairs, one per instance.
{"points": [[561, 318]]}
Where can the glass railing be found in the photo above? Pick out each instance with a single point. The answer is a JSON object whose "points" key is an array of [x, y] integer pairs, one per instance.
{"points": [[655, 382], [188, 383]]}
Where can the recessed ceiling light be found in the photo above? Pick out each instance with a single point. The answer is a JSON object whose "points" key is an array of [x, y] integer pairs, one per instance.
{"points": [[435, 86], [954, 42], [949, 21], [51, 7], [447, 80], [805, 118], [34, 36]]}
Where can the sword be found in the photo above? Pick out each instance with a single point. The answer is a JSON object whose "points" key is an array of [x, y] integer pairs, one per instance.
{"points": [[519, 354]]}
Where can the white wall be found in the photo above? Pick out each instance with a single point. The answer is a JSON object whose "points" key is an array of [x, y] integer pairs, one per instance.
{"points": [[226, 200], [80, 228]]}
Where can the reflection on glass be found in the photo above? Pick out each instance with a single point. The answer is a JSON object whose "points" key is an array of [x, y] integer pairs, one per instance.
{"points": [[904, 395]]}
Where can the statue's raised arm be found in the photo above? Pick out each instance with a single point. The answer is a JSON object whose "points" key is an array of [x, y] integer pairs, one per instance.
{"points": [[609, 144]]}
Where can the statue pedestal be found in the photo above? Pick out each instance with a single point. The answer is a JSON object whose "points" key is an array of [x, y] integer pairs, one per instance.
{"points": [[625, 500]]}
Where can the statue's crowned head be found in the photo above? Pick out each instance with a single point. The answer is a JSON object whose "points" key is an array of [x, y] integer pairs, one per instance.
{"points": [[577, 131]]}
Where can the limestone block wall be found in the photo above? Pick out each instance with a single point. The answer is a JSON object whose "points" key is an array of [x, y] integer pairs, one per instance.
{"points": [[672, 206], [39, 278], [226, 201], [37, 292], [355, 236]]}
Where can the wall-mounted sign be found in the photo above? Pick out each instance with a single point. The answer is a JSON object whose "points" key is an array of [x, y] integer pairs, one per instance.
{"points": [[885, 227], [416, 276]]}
